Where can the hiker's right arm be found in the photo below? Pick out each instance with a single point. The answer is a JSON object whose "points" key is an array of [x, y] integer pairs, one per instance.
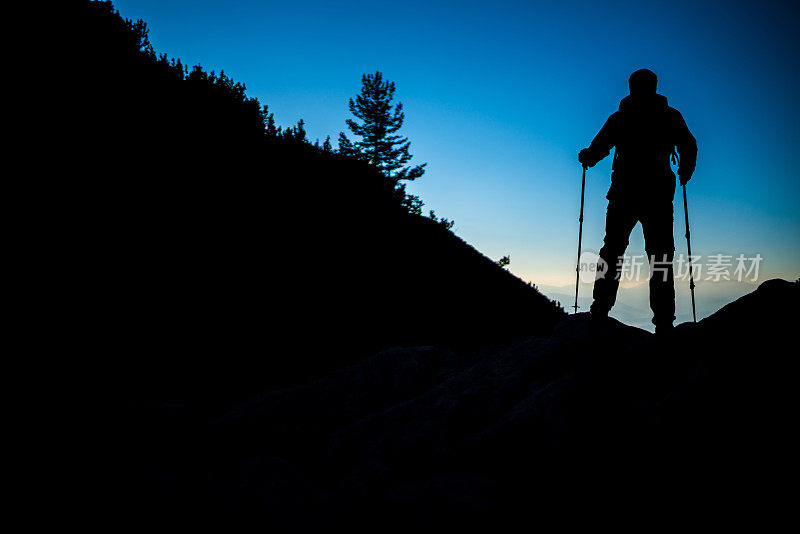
{"points": [[601, 145]]}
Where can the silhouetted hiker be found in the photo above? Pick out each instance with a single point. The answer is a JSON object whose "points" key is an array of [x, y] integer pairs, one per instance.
{"points": [[645, 132]]}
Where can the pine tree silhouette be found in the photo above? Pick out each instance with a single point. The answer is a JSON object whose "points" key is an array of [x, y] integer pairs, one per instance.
{"points": [[379, 145]]}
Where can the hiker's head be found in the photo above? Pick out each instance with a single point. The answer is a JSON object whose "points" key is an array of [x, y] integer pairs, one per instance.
{"points": [[643, 82]]}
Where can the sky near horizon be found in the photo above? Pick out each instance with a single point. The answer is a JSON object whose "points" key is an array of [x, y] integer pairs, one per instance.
{"points": [[500, 96]]}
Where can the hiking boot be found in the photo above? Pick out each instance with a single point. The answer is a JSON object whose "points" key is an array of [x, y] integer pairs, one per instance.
{"points": [[665, 328], [598, 316]]}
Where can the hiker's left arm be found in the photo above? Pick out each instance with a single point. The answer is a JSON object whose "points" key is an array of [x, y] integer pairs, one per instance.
{"points": [[687, 150]]}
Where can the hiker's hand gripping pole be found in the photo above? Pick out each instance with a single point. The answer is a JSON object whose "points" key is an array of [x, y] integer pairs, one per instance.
{"points": [[689, 247], [580, 235]]}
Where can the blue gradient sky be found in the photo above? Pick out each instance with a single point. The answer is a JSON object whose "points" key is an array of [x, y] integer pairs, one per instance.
{"points": [[500, 96]]}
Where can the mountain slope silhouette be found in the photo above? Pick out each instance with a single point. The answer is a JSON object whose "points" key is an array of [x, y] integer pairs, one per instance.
{"points": [[225, 252]]}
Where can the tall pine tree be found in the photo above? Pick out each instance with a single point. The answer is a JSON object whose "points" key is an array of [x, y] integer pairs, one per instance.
{"points": [[377, 127]]}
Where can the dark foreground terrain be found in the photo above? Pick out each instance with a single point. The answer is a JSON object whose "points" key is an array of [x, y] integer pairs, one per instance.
{"points": [[242, 288], [593, 419]]}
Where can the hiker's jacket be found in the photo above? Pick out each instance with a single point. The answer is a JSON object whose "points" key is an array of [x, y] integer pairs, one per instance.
{"points": [[645, 132]]}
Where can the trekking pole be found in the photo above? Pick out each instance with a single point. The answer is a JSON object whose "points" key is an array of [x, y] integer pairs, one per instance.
{"points": [[580, 235], [689, 246]]}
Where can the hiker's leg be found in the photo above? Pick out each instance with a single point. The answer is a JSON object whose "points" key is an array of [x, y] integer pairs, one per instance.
{"points": [[619, 223], [660, 246]]}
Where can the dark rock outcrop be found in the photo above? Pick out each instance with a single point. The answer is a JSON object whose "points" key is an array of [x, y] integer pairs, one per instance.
{"points": [[589, 416]]}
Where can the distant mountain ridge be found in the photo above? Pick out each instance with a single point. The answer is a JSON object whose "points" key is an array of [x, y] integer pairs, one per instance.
{"points": [[633, 307]]}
